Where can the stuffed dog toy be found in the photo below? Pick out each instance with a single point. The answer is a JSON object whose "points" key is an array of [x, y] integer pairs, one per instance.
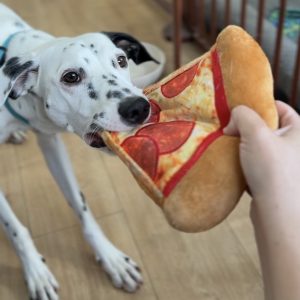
{"points": [[180, 157]]}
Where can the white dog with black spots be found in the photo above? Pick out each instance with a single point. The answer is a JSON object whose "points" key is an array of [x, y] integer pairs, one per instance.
{"points": [[82, 85]]}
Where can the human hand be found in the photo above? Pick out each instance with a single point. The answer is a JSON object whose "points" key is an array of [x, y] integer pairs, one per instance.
{"points": [[271, 164], [270, 159]]}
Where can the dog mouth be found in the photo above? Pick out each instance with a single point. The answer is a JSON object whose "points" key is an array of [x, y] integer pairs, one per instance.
{"points": [[94, 140]]}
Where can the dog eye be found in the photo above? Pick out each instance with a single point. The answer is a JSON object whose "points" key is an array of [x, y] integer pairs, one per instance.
{"points": [[71, 77], [122, 61]]}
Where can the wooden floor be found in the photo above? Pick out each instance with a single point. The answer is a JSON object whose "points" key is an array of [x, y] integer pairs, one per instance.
{"points": [[219, 264]]}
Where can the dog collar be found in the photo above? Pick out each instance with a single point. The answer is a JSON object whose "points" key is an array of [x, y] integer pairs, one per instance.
{"points": [[8, 106], [4, 47]]}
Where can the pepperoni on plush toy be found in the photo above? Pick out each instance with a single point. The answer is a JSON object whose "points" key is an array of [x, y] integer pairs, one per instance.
{"points": [[176, 85], [155, 110], [144, 151], [169, 136]]}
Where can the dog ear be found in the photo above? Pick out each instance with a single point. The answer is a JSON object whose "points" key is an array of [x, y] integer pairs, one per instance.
{"points": [[17, 76], [131, 46]]}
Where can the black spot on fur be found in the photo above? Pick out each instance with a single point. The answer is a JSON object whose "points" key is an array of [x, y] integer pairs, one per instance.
{"points": [[93, 94], [114, 76], [94, 126], [112, 82], [84, 208], [92, 45], [43, 259], [6, 224], [13, 95], [114, 94], [82, 197], [64, 49], [86, 60], [15, 234], [83, 46], [102, 114], [13, 68], [81, 71], [99, 261], [19, 24], [35, 36], [138, 269], [113, 64], [126, 90], [95, 51], [95, 117], [47, 106], [104, 76]]}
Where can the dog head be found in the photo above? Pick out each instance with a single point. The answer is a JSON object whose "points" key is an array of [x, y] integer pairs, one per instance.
{"points": [[83, 82]]}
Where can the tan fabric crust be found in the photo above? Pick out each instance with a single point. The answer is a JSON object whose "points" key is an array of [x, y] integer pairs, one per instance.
{"points": [[209, 191], [246, 73]]}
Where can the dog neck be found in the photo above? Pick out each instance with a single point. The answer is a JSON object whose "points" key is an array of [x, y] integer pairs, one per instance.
{"points": [[31, 108]]}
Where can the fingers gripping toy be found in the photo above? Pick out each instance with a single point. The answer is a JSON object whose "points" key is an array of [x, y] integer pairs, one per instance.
{"points": [[180, 157]]}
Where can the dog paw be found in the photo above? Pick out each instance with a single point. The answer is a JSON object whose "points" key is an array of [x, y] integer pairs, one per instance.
{"points": [[17, 137], [122, 270], [40, 281]]}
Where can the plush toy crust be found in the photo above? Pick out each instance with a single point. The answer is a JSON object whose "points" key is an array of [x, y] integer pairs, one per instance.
{"points": [[247, 75], [212, 187]]}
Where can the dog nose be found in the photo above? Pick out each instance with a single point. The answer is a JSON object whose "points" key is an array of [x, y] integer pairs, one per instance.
{"points": [[134, 110]]}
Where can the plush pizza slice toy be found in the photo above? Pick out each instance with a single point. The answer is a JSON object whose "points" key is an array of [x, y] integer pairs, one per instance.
{"points": [[181, 157]]}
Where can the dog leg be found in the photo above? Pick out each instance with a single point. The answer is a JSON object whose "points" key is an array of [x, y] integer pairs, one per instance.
{"points": [[122, 270], [41, 283]]}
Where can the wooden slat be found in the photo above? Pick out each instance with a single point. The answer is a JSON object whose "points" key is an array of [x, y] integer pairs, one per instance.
{"points": [[296, 78], [276, 62], [227, 13], [243, 13], [260, 20], [213, 21], [177, 16]]}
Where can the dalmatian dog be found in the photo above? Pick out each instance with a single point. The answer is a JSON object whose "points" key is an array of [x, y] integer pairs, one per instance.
{"points": [[81, 85]]}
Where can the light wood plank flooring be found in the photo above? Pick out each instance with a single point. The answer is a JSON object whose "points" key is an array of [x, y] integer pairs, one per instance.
{"points": [[219, 264]]}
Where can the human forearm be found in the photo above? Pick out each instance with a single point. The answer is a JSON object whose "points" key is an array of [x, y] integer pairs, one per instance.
{"points": [[277, 234]]}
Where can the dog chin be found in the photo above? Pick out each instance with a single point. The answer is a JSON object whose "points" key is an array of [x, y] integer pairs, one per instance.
{"points": [[94, 140]]}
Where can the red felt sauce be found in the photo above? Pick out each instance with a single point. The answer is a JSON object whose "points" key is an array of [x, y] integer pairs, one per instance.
{"points": [[177, 84], [144, 152], [155, 111], [169, 136]]}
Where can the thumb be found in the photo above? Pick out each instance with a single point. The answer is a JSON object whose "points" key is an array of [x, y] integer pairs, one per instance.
{"points": [[245, 122], [287, 115]]}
